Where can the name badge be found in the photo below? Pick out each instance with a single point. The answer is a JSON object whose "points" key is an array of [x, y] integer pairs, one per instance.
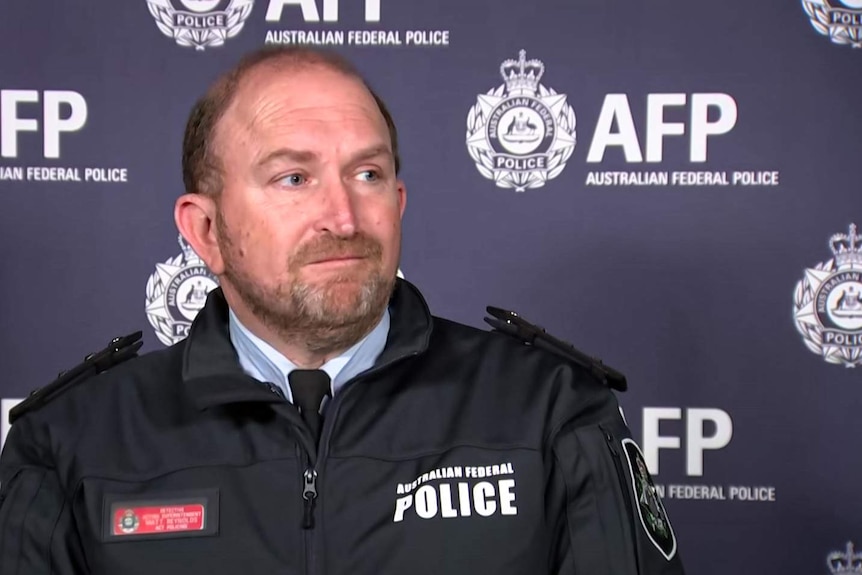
{"points": [[160, 515]]}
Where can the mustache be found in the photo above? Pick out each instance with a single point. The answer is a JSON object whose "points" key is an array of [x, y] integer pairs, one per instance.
{"points": [[330, 247]]}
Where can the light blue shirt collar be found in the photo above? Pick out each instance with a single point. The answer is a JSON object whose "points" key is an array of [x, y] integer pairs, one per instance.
{"points": [[261, 361]]}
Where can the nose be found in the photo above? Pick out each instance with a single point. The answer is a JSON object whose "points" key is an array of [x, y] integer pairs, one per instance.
{"points": [[338, 210]]}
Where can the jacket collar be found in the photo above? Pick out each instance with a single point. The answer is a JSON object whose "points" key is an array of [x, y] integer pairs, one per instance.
{"points": [[212, 374]]}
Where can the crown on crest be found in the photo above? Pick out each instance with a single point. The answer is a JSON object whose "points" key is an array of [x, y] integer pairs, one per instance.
{"points": [[847, 563], [847, 247], [190, 256], [522, 75]]}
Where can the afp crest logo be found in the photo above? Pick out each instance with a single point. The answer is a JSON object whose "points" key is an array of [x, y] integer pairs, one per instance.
{"points": [[840, 20], [200, 23], [827, 303], [521, 133], [847, 562], [176, 292], [129, 522]]}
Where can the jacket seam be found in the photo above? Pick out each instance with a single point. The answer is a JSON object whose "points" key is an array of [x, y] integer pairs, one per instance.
{"points": [[24, 521], [127, 478], [566, 492], [54, 531], [132, 478], [592, 494], [557, 429], [434, 452]]}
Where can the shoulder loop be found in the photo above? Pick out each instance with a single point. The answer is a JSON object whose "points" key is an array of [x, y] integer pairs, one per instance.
{"points": [[119, 350], [512, 324]]}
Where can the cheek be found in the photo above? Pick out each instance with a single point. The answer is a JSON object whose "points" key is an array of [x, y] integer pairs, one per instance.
{"points": [[390, 235], [387, 215], [256, 247], [387, 228], [244, 242]]}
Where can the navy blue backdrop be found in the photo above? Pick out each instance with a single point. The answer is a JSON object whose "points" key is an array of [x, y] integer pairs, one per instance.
{"points": [[671, 186]]}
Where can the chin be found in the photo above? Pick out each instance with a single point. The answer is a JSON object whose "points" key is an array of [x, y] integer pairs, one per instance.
{"points": [[343, 291]]}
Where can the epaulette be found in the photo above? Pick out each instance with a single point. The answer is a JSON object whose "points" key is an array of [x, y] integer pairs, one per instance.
{"points": [[511, 323], [119, 350]]}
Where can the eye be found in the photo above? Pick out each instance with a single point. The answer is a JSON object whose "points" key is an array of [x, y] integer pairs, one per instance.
{"points": [[292, 180], [369, 175]]}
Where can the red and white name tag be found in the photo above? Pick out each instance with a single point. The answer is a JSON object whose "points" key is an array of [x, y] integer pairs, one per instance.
{"points": [[157, 515], [161, 519]]}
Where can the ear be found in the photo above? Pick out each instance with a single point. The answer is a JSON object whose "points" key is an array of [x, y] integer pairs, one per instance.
{"points": [[402, 196], [195, 216]]}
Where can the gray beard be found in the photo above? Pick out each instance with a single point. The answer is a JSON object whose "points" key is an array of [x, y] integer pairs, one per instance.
{"points": [[315, 316], [308, 316]]}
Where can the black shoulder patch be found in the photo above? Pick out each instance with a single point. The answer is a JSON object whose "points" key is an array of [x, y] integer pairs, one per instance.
{"points": [[119, 350], [512, 324], [651, 511]]}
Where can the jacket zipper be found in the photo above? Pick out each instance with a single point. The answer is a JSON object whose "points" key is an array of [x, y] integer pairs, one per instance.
{"points": [[334, 406], [313, 461], [309, 494], [307, 454], [621, 475], [311, 474]]}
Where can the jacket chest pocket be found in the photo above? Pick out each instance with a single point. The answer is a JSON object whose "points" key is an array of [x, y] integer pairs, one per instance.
{"points": [[218, 520]]}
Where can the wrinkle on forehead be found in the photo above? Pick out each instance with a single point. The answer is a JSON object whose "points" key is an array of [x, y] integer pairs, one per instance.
{"points": [[268, 113], [278, 93]]}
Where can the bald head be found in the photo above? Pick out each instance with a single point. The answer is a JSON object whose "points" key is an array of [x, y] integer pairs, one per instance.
{"points": [[202, 166]]}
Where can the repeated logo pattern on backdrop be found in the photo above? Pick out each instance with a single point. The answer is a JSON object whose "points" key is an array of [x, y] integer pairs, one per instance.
{"points": [[51, 121], [176, 292], [203, 24], [521, 133], [845, 562], [637, 180], [332, 34], [828, 302], [200, 23], [840, 20]]}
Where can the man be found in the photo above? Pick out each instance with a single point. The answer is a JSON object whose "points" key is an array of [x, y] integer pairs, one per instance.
{"points": [[317, 419]]}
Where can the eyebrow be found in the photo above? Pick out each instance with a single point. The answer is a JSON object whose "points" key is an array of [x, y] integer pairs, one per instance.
{"points": [[304, 156], [287, 154], [372, 152]]}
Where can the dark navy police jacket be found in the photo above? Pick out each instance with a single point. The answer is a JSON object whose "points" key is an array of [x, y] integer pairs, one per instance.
{"points": [[460, 451]]}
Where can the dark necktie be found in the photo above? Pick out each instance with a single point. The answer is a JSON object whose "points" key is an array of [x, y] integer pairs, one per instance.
{"points": [[309, 387]]}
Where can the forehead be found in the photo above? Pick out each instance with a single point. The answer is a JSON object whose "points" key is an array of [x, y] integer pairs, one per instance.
{"points": [[275, 95]]}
